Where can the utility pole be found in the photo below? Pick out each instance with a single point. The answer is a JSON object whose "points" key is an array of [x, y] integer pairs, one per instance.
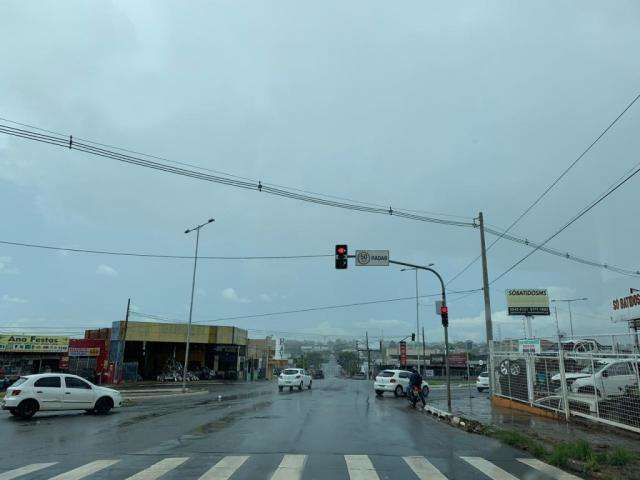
{"points": [[368, 357], [124, 337], [487, 300], [193, 287]]}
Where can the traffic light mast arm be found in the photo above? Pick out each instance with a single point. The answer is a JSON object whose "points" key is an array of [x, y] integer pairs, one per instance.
{"points": [[420, 267], [444, 313]]}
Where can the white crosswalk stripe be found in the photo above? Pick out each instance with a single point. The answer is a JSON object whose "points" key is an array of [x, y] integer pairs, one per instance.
{"points": [[360, 467], [158, 469], [489, 469], [85, 470], [547, 469], [18, 472], [424, 469], [290, 468], [224, 468]]}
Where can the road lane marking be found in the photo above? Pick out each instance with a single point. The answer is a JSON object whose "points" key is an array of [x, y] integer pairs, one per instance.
{"points": [[34, 467], [489, 469], [550, 470], [224, 468], [290, 468], [360, 467], [85, 470], [159, 468], [424, 469]]}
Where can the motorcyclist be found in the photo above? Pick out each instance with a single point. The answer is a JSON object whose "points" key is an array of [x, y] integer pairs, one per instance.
{"points": [[416, 381]]}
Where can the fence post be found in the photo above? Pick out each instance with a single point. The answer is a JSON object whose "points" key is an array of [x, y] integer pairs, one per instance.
{"points": [[563, 379], [595, 387]]}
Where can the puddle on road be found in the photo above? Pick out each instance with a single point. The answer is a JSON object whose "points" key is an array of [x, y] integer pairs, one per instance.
{"points": [[229, 419]]}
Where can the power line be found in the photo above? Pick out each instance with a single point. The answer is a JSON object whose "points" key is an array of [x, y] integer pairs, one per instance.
{"points": [[156, 255], [259, 186], [77, 143], [575, 218], [548, 189], [302, 310]]}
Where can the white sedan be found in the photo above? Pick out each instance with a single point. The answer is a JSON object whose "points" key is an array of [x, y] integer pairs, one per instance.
{"points": [[482, 383], [396, 381], [294, 377], [50, 392]]}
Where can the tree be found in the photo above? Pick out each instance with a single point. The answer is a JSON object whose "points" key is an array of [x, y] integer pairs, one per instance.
{"points": [[349, 361]]}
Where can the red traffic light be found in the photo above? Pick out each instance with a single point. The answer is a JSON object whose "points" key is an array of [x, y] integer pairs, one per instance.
{"points": [[341, 250], [444, 310], [341, 257]]}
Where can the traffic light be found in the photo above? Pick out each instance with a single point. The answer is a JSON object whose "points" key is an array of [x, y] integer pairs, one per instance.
{"points": [[413, 337], [444, 314], [341, 257]]}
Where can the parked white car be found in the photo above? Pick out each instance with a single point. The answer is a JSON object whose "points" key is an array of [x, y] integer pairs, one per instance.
{"points": [[482, 383], [612, 377], [395, 381], [49, 391], [294, 377]]}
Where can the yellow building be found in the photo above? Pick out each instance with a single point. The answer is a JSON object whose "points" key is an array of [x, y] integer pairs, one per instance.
{"points": [[159, 348]]}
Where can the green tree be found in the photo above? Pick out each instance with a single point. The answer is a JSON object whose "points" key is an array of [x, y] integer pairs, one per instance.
{"points": [[349, 362]]}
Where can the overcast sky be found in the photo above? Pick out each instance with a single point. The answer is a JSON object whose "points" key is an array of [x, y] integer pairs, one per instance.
{"points": [[431, 106]]}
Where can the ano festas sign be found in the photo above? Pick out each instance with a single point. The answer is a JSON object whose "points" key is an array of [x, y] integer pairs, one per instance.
{"points": [[372, 258], [34, 343], [527, 301]]}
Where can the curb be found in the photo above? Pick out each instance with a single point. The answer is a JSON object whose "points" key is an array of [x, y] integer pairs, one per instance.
{"points": [[461, 422]]}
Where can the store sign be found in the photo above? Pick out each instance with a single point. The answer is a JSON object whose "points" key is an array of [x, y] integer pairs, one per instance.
{"points": [[429, 373], [626, 308], [403, 353], [64, 362], [527, 301], [34, 344], [84, 351], [529, 345]]}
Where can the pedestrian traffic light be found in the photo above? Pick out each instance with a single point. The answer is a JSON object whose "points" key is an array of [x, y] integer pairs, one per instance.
{"points": [[444, 314], [413, 337], [341, 257]]}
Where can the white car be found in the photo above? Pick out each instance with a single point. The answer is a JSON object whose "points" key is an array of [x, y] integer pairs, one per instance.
{"points": [[611, 378], [482, 383], [294, 377], [395, 381], [51, 391]]}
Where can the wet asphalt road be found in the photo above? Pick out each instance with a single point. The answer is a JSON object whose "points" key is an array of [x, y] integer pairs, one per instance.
{"points": [[337, 417]]}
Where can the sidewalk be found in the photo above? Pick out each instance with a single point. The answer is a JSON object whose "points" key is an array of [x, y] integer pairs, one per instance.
{"points": [[478, 407]]}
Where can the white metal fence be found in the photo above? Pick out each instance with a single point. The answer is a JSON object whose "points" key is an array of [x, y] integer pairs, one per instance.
{"points": [[595, 378]]}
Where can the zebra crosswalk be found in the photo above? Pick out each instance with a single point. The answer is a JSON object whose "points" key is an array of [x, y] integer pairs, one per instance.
{"points": [[293, 467]]}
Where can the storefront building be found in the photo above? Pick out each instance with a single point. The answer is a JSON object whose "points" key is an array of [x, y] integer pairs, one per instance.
{"points": [[25, 354], [152, 351], [89, 358]]}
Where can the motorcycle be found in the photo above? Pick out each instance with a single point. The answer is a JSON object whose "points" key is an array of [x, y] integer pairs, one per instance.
{"points": [[413, 395]]}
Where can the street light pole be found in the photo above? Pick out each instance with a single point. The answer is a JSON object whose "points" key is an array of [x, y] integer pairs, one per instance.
{"points": [[193, 287], [417, 312], [569, 301]]}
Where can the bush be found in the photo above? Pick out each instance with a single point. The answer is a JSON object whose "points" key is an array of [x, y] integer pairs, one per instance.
{"points": [[560, 455], [619, 457], [518, 440]]}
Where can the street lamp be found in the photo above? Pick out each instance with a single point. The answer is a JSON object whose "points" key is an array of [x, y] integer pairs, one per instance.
{"points": [[569, 301], [417, 309], [193, 286]]}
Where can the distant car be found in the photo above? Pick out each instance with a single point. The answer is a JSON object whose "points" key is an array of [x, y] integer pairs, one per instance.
{"points": [[50, 392], [395, 381], [359, 375], [318, 374], [482, 383], [294, 377], [611, 378]]}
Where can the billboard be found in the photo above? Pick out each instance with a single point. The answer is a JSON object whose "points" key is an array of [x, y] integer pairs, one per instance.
{"points": [[626, 308], [527, 301], [34, 343]]}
